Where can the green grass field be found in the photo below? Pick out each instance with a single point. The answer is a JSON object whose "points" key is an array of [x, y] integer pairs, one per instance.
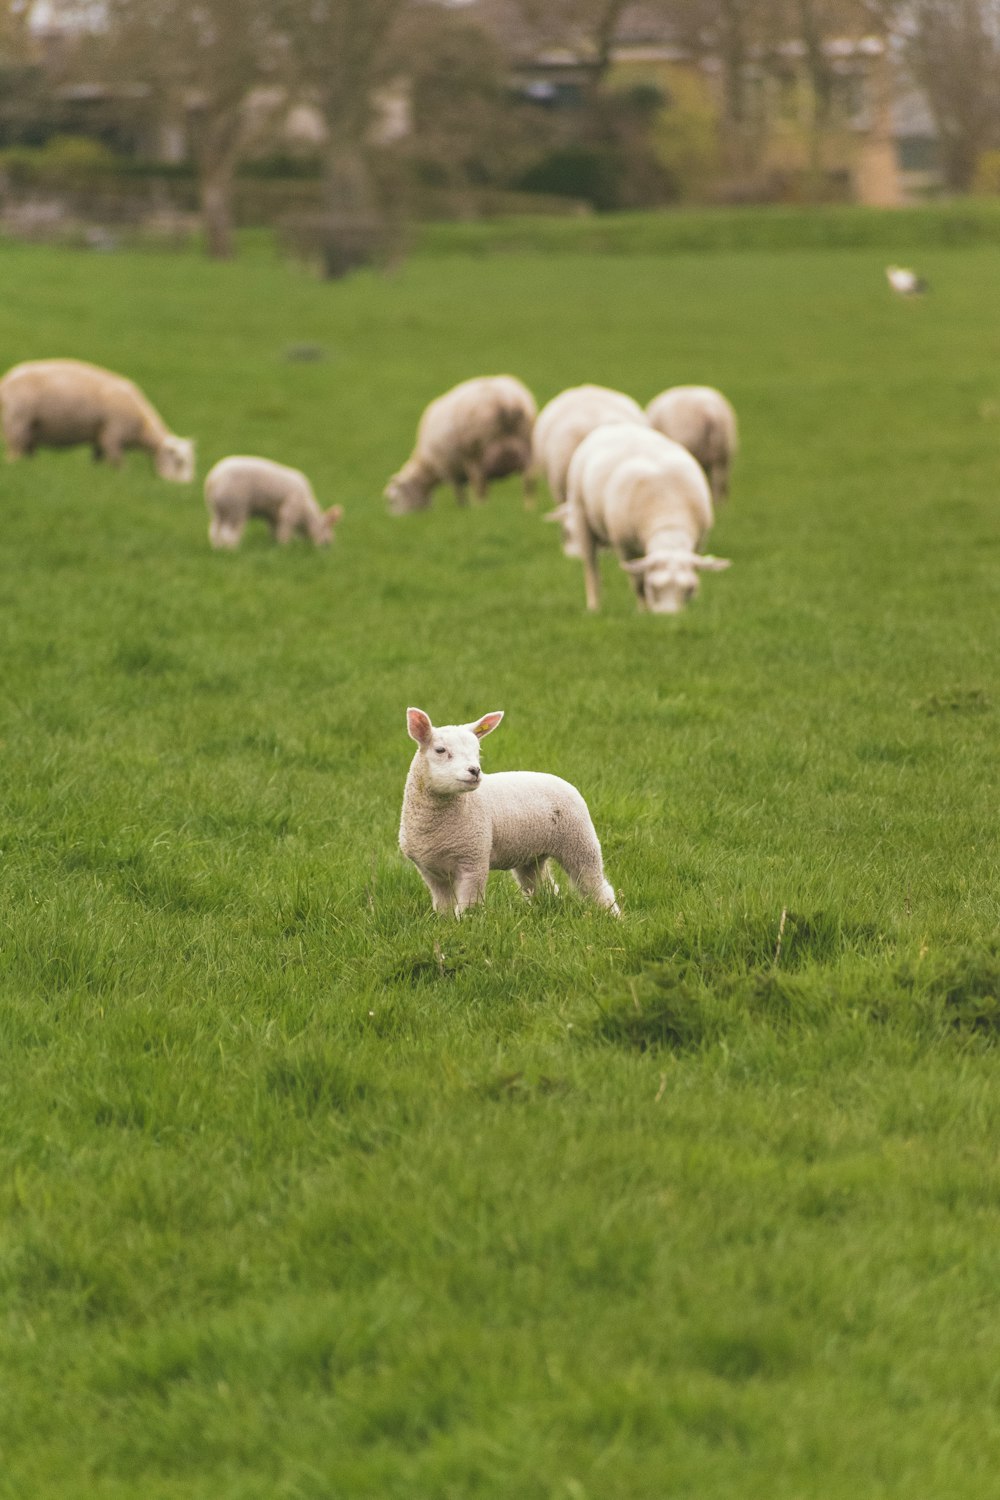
{"points": [[306, 1194]]}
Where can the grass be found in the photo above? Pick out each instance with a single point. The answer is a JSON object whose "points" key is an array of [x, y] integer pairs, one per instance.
{"points": [[305, 1194]]}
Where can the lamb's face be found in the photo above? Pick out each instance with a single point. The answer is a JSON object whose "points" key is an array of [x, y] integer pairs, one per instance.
{"points": [[404, 493], [322, 530], [450, 755], [672, 579], [175, 460]]}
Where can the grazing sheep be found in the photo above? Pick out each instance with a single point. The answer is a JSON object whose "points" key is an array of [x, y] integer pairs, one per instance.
{"points": [[703, 422], [459, 824], [562, 425], [480, 430], [58, 403], [644, 495], [238, 488]]}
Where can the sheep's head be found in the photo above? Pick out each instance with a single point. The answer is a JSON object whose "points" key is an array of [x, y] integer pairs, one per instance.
{"points": [[450, 756], [175, 459], [671, 579], [408, 490], [322, 529], [564, 515]]}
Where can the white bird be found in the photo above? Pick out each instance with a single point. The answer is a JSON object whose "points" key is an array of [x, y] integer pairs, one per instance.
{"points": [[905, 282]]}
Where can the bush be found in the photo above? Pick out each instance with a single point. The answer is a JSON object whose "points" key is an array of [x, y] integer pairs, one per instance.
{"points": [[577, 172], [987, 179], [65, 160]]}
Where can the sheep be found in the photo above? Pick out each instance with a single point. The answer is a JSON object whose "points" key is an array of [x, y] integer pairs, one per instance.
{"points": [[478, 431], [238, 488], [458, 824], [904, 282], [565, 421], [702, 421], [644, 495], [58, 403]]}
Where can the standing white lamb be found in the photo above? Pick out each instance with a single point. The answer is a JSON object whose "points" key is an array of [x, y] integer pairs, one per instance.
{"points": [[644, 495], [702, 421], [238, 488], [562, 425], [58, 403], [459, 824], [478, 431]]}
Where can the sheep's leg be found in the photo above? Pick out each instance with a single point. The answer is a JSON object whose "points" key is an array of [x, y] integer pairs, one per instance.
{"points": [[111, 446], [480, 484], [530, 876], [529, 486], [470, 887], [718, 479], [638, 583], [591, 573], [461, 493], [224, 534], [442, 894], [17, 438], [587, 874], [283, 530]]}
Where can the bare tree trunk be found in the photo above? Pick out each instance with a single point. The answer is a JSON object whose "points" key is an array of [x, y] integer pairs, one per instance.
{"points": [[215, 190], [351, 208], [734, 64], [821, 87]]}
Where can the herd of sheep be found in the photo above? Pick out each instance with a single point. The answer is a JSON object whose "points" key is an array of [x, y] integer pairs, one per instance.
{"points": [[639, 482]]}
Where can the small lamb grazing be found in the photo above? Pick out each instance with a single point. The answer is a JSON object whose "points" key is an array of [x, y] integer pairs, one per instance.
{"points": [[644, 495], [702, 421], [566, 420], [238, 488], [459, 824], [478, 431], [58, 403]]}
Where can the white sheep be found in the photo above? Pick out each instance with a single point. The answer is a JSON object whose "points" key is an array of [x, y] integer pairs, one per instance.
{"points": [[562, 425], [644, 495], [238, 488], [702, 421], [459, 824], [478, 431], [58, 403]]}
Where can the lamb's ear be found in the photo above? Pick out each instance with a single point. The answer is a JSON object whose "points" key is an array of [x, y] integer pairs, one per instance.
{"points": [[335, 514], [418, 725], [640, 565], [713, 564], [557, 514], [486, 724]]}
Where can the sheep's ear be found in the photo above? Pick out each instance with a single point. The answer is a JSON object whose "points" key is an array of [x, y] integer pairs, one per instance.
{"points": [[335, 514], [714, 564], [418, 725], [486, 724], [557, 514]]}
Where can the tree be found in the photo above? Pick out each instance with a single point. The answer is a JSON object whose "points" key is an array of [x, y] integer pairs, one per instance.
{"points": [[954, 51], [202, 60], [344, 52]]}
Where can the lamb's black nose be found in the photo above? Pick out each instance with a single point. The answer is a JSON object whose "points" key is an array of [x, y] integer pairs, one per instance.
{"points": [[474, 772]]}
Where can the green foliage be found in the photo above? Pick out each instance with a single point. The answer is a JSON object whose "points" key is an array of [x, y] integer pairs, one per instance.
{"points": [[306, 1193], [987, 178], [69, 160], [690, 231]]}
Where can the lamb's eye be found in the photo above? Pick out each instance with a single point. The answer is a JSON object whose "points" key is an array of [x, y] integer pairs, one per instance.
{"points": [[440, 750]]}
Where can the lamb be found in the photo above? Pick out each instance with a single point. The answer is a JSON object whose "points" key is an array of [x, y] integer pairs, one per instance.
{"points": [[478, 431], [58, 403], [458, 824], [644, 495], [238, 488], [701, 420]]}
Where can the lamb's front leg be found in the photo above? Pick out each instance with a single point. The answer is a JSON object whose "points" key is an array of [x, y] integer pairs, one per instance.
{"points": [[470, 887], [442, 891]]}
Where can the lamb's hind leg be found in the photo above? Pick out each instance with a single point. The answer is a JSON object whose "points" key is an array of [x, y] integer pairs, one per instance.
{"points": [[586, 871], [530, 876]]}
